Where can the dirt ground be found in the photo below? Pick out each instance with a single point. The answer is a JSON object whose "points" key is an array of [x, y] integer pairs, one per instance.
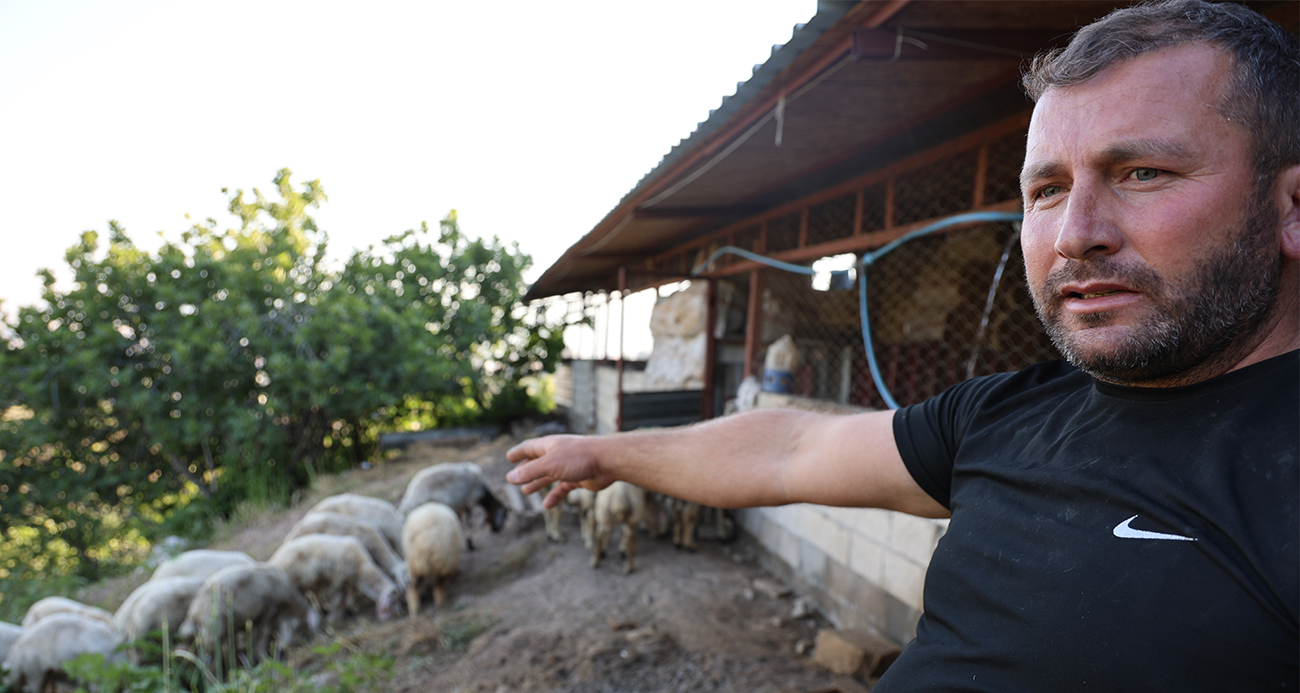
{"points": [[525, 614]]}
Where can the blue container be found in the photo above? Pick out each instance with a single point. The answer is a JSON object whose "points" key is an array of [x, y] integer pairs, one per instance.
{"points": [[777, 381]]}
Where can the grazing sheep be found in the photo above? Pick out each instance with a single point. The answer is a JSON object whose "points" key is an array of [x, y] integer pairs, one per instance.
{"points": [[8, 634], [237, 596], [684, 517], [620, 503], [431, 540], [585, 501], [200, 563], [334, 569], [39, 653], [459, 486], [155, 604], [58, 605], [376, 511], [339, 525]]}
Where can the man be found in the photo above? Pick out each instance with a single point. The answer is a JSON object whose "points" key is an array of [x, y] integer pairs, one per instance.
{"points": [[1129, 520]]}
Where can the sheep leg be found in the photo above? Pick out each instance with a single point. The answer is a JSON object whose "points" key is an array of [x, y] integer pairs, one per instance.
{"points": [[600, 544], [413, 597], [439, 593], [587, 520], [552, 518], [690, 519], [628, 547]]}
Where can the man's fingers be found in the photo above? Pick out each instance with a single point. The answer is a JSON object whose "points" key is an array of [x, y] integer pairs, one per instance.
{"points": [[557, 494], [526, 450]]}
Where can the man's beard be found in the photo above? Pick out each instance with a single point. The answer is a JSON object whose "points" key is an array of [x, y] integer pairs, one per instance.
{"points": [[1229, 295]]}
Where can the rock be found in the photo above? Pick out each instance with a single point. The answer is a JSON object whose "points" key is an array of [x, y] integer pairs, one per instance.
{"points": [[771, 588], [803, 608], [854, 652], [802, 647], [747, 594]]}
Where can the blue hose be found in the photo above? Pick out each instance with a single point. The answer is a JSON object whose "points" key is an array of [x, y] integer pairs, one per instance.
{"points": [[864, 262]]}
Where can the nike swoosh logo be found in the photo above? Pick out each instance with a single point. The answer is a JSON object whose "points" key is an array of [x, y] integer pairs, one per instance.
{"points": [[1124, 531]]}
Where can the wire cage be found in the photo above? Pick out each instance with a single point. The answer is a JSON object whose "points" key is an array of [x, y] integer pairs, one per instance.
{"points": [[941, 309]]}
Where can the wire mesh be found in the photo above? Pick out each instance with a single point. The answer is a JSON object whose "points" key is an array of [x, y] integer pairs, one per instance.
{"points": [[932, 320]]}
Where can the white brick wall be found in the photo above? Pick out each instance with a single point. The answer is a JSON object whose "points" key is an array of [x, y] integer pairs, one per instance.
{"points": [[891, 550]]}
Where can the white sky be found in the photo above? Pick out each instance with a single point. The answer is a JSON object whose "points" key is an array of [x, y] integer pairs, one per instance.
{"points": [[531, 119]]}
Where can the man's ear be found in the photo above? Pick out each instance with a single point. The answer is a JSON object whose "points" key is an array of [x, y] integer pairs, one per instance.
{"points": [[1288, 194]]}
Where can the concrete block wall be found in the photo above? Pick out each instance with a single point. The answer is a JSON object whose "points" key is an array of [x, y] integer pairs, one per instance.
{"points": [[865, 567]]}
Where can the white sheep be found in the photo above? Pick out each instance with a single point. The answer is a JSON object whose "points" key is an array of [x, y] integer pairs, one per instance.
{"points": [[585, 501], [8, 634], [339, 525], [58, 605], [620, 503], [200, 563], [156, 603], [431, 540], [255, 596], [684, 517], [459, 486], [39, 653], [335, 569], [377, 511]]}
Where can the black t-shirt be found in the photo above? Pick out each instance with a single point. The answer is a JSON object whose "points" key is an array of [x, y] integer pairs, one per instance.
{"points": [[1109, 538]]}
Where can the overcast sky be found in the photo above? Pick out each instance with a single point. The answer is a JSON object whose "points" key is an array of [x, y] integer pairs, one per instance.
{"points": [[532, 119]]}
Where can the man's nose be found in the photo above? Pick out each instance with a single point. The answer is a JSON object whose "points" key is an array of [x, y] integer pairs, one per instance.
{"points": [[1087, 228]]}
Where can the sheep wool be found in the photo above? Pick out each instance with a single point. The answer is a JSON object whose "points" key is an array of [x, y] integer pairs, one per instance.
{"points": [[8, 634], [248, 593], [623, 504], [59, 605], [377, 511], [431, 540], [154, 603], [200, 563], [339, 525], [40, 652], [459, 486], [334, 569]]}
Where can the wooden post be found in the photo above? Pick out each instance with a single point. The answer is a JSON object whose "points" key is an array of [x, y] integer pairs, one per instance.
{"points": [[710, 350], [622, 309], [754, 321]]}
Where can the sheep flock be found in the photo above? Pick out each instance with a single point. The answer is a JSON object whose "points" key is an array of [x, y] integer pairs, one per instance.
{"points": [[350, 554]]}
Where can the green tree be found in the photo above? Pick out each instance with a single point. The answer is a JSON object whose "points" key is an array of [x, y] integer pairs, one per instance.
{"points": [[239, 364]]}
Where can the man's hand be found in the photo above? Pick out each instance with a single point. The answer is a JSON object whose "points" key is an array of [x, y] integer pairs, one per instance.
{"points": [[568, 461]]}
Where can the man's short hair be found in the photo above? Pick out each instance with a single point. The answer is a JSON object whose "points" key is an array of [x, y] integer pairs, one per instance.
{"points": [[1263, 94]]}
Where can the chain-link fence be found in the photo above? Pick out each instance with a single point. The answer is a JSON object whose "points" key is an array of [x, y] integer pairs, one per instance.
{"points": [[941, 308]]}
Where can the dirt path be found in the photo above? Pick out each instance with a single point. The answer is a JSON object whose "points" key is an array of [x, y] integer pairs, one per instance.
{"points": [[528, 615]]}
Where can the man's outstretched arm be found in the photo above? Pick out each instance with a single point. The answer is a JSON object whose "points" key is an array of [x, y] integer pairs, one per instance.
{"points": [[763, 457]]}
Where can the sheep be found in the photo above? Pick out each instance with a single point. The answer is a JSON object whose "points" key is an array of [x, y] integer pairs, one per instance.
{"points": [[620, 503], [431, 540], [57, 605], [459, 486], [200, 563], [257, 596], [684, 517], [336, 524], [8, 634], [376, 511], [39, 653], [155, 605], [333, 569], [585, 501]]}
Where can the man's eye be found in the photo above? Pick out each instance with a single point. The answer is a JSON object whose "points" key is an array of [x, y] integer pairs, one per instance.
{"points": [[1049, 191], [1145, 174]]}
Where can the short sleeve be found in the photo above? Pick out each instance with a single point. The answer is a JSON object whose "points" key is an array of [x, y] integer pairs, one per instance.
{"points": [[929, 434]]}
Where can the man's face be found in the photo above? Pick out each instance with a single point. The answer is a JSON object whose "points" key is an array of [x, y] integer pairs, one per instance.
{"points": [[1147, 248]]}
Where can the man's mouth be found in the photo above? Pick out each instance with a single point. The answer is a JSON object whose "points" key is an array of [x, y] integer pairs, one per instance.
{"points": [[1075, 294]]}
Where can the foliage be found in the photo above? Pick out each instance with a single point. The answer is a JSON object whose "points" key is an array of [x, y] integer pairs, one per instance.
{"points": [[240, 364], [358, 671]]}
